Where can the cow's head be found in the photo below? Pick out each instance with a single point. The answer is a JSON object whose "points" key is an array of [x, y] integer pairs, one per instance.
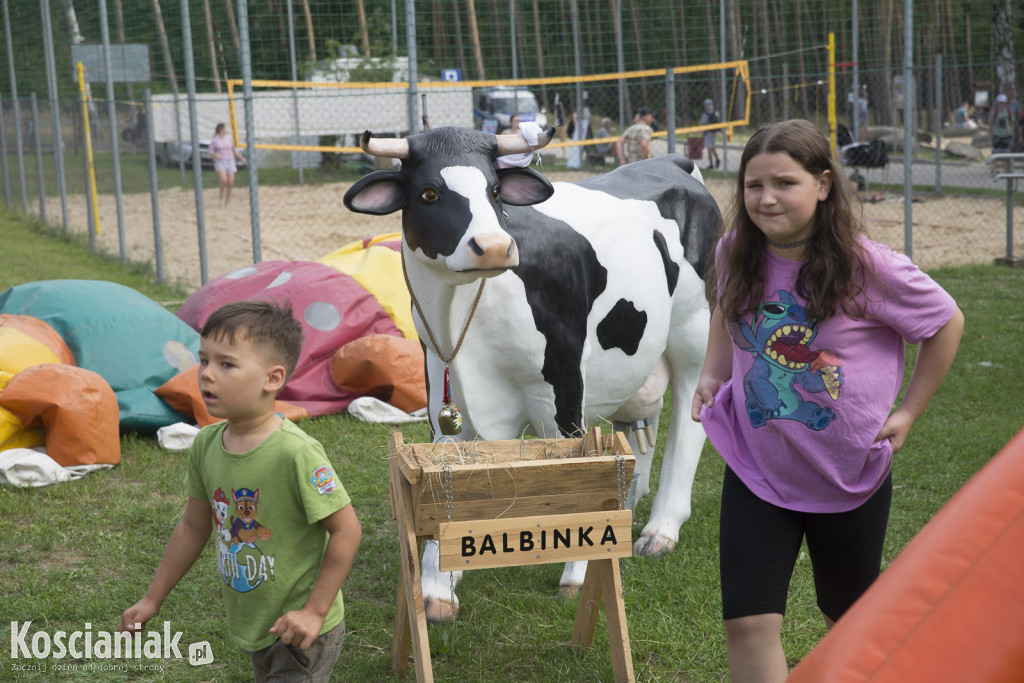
{"points": [[451, 195]]}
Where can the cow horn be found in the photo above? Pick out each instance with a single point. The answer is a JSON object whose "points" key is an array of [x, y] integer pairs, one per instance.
{"points": [[515, 144], [395, 148]]}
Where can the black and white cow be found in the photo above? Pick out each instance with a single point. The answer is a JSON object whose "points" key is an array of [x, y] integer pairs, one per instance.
{"points": [[593, 305]]}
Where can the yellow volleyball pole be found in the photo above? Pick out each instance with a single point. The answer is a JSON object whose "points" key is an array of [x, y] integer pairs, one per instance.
{"points": [[832, 91], [88, 145]]}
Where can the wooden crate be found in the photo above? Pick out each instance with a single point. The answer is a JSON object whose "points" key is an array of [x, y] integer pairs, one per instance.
{"points": [[510, 503], [504, 479]]}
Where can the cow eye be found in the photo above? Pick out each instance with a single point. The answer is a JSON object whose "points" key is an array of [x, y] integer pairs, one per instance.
{"points": [[429, 195], [496, 192]]}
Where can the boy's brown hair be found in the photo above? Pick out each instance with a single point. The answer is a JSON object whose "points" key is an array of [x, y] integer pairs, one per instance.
{"points": [[269, 326]]}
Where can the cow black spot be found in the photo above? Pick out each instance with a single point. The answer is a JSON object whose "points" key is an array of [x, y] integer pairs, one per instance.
{"points": [[671, 267], [622, 328], [562, 278], [680, 197]]}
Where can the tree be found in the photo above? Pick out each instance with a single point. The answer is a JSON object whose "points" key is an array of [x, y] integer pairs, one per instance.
{"points": [[1002, 28], [210, 44]]}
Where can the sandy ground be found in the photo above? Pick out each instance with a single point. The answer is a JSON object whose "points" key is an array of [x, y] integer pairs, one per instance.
{"points": [[309, 222]]}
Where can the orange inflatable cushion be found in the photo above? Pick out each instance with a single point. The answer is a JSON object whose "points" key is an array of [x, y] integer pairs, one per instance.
{"points": [[76, 408], [951, 605], [384, 366], [181, 392]]}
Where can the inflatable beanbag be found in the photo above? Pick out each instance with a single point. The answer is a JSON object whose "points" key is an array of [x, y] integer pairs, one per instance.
{"points": [[385, 367], [951, 606], [331, 306], [129, 340], [376, 264], [76, 409]]}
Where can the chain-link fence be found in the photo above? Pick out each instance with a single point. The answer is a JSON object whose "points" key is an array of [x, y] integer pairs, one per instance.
{"points": [[297, 82]]}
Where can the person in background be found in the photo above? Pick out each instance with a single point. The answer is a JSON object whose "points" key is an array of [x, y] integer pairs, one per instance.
{"points": [[1000, 125], [710, 116], [635, 142], [223, 151], [804, 365]]}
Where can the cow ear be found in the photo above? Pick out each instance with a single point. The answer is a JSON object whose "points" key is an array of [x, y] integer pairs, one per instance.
{"points": [[378, 193], [524, 186]]}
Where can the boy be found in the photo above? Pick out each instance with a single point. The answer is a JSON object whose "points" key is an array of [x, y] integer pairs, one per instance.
{"points": [[292, 534]]}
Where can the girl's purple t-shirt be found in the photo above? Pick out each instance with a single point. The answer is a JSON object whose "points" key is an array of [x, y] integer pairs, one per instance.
{"points": [[798, 419]]}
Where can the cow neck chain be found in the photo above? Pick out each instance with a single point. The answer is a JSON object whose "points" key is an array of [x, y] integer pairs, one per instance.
{"points": [[423, 318]]}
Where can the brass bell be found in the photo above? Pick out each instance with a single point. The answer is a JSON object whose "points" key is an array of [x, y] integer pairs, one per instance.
{"points": [[450, 419]]}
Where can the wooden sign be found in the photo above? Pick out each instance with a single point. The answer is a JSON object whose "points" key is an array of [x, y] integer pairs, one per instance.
{"points": [[482, 544]]}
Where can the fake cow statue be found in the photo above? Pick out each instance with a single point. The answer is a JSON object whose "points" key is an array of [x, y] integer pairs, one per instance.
{"points": [[593, 304]]}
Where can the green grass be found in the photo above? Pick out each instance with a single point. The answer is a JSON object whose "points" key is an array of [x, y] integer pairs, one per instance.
{"points": [[84, 551]]}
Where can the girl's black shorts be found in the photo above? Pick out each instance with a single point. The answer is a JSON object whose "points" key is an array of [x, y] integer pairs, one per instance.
{"points": [[759, 544]]}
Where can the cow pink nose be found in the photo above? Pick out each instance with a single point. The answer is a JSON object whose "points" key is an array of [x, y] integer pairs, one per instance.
{"points": [[494, 251]]}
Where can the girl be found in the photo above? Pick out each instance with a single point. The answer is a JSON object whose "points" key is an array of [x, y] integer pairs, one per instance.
{"points": [[224, 153], [805, 359]]}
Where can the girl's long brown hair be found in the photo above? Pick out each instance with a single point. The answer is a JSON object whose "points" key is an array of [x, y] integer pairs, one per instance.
{"points": [[832, 275]]}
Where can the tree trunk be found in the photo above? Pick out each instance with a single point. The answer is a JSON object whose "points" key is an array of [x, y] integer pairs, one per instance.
{"points": [[210, 44], [309, 29], [539, 48], [233, 26], [499, 23], [1002, 28], [766, 64], [881, 91], [799, 21], [460, 49], [165, 47], [638, 39], [437, 15], [119, 25], [364, 34], [474, 37]]}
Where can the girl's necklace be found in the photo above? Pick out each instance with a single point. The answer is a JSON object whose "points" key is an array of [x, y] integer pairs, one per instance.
{"points": [[786, 245]]}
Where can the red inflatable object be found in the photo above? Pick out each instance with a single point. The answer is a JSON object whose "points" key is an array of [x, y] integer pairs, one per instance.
{"points": [[332, 307], [951, 606]]}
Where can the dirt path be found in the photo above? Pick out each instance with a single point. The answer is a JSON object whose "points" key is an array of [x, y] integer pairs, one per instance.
{"points": [[310, 222]]}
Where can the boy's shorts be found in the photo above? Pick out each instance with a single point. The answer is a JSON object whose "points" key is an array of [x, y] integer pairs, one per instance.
{"points": [[759, 544], [280, 662]]}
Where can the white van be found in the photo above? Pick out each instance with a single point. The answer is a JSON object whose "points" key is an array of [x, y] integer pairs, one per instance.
{"points": [[494, 107]]}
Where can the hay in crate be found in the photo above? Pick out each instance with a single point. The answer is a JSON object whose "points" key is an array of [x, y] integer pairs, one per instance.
{"points": [[454, 481], [452, 452]]}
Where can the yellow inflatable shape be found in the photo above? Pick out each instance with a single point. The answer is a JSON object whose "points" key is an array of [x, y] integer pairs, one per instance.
{"points": [[19, 351], [379, 271], [14, 435]]}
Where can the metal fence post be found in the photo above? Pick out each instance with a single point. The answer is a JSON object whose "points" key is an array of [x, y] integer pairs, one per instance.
{"points": [[17, 109], [193, 126], [250, 129], [414, 76], [154, 186], [58, 140], [909, 126], [670, 108], [112, 116], [297, 156], [37, 143], [3, 155], [938, 123]]}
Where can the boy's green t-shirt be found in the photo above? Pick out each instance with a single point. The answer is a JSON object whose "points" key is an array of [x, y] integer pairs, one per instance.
{"points": [[266, 507]]}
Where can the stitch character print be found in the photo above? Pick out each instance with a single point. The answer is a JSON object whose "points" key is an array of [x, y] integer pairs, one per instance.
{"points": [[779, 338]]}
